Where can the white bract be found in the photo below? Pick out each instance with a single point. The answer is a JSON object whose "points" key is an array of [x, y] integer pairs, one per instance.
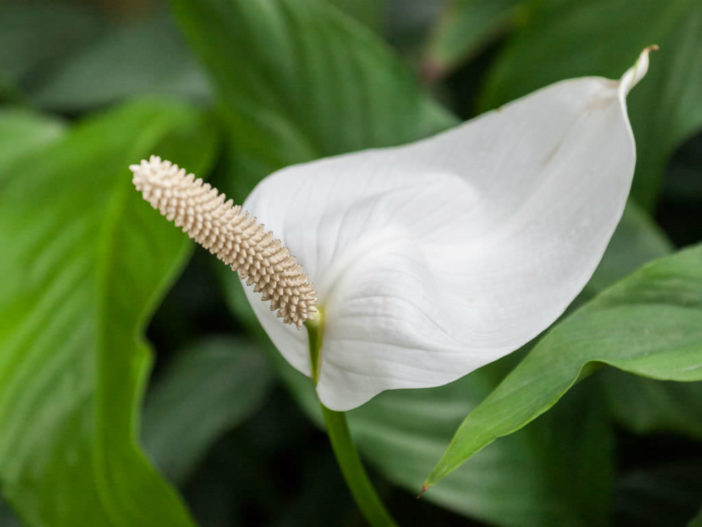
{"points": [[435, 258]]}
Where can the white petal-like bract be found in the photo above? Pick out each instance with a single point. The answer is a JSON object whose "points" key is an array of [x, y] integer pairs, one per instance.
{"points": [[435, 258]]}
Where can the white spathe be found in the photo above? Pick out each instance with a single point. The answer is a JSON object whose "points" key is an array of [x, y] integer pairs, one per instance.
{"points": [[435, 258]]}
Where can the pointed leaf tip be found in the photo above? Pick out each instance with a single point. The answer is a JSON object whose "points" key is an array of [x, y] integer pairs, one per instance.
{"points": [[638, 71]]}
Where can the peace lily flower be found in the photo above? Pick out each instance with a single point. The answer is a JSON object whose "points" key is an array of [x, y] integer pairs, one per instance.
{"points": [[426, 261]]}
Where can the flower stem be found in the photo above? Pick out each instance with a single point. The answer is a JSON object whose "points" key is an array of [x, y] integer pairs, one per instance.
{"points": [[344, 449], [351, 467]]}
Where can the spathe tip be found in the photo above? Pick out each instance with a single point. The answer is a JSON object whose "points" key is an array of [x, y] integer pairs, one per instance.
{"points": [[638, 71]]}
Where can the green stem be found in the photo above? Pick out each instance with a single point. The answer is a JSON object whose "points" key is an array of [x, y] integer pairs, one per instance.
{"points": [[352, 468], [344, 449]]}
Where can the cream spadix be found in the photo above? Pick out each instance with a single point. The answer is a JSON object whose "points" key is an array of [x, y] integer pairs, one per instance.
{"points": [[232, 235]]}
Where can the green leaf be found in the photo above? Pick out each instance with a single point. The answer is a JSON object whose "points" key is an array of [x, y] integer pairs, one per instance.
{"points": [[645, 406], [23, 132], [84, 263], [211, 387], [144, 57], [602, 37], [640, 404], [299, 80], [367, 12], [647, 324], [64, 29], [464, 28]]}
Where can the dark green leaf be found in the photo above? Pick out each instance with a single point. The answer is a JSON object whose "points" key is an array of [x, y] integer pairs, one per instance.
{"points": [[36, 35], [7, 518], [84, 263], [647, 324], [663, 494], [696, 521], [145, 57], [367, 12], [603, 37], [211, 387], [299, 80], [464, 28], [645, 406]]}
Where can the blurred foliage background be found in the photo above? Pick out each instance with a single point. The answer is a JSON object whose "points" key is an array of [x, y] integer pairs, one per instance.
{"points": [[233, 90]]}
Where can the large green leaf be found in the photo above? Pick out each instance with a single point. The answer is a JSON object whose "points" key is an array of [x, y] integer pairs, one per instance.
{"points": [[647, 324], [84, 263], [300, 80], [563, 39], [216, 383], [22, 132]]}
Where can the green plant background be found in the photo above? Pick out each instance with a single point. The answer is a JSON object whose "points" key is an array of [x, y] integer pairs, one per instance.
{"points": [[136, 388]]}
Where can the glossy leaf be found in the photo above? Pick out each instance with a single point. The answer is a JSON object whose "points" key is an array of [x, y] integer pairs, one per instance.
{"points": [[84, 264], [209, 388], [600, 37], [647, 324]]}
